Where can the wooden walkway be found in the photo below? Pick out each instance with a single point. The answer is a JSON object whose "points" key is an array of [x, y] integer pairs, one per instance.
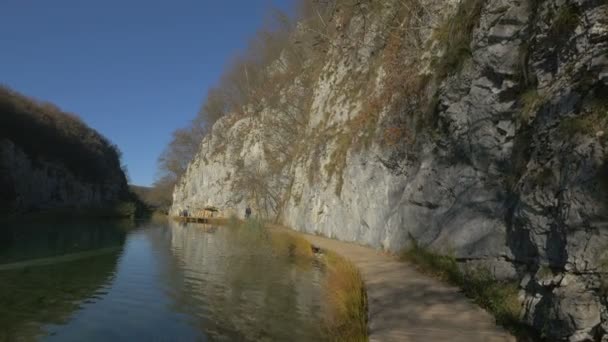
{"points": [[407, 306]]}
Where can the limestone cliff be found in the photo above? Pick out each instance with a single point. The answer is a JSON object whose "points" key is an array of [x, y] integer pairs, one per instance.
{"points": [[52, 160], [476, 127]]}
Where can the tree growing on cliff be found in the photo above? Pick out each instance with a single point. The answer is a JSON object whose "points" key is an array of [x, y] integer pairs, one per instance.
{"points": [[255, 80]]}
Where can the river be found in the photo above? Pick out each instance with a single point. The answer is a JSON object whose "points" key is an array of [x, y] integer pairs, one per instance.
{"points": [[153, 280]]}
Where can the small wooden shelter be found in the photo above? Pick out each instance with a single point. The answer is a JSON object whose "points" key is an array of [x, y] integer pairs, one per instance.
{"points": [[206, 212]]}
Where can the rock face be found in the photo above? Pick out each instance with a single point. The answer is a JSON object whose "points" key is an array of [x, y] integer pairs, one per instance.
{"points": [[33, 184], [511, 173]]}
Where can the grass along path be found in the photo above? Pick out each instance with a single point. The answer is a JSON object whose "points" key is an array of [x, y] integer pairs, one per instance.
{"points": [[405, 305]]}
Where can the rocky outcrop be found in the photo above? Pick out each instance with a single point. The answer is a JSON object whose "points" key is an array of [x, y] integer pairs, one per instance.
{"points": [[34, 184], [508, 169]]}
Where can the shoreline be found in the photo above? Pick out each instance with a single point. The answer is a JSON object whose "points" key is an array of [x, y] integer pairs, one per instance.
{"points": [[406, 305]]}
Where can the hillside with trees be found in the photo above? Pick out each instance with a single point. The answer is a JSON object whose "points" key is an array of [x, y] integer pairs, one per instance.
{"points": [[52, 159]]}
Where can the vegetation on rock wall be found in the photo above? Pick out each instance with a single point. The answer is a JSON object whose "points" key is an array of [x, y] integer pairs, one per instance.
{"points": [[531, 101], [592, 120], [565, 21], [456, 35], [274, 78], [255, 80], [66, 155]]}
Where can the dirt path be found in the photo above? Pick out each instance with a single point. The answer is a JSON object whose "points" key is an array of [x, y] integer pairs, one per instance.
{"points": [[407, 306]]}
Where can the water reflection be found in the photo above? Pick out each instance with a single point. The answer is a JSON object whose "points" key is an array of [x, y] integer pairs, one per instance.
{"points": [[160, 281], [250, 292], [45, 271]]}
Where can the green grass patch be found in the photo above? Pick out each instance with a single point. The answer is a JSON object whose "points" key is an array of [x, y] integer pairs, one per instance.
{"points": [[544, 272], [566, 20], [497, 297], [596, 119], [531, 100]]}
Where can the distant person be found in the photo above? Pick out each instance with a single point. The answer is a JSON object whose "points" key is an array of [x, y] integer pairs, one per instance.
{"points": [[247, 212]]}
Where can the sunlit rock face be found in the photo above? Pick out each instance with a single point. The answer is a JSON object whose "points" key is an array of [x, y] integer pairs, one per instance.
{"points": [[513, 176]]}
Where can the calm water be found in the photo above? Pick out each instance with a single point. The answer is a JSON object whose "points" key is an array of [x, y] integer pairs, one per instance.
{"points": [[153, 281]]}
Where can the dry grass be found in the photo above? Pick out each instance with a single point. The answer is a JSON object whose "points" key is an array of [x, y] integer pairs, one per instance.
{"points": [[544, 271], [287, 244], [347, 309]]}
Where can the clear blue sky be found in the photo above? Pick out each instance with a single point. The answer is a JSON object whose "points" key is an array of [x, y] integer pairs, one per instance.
{"points": [[135, 70]]}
